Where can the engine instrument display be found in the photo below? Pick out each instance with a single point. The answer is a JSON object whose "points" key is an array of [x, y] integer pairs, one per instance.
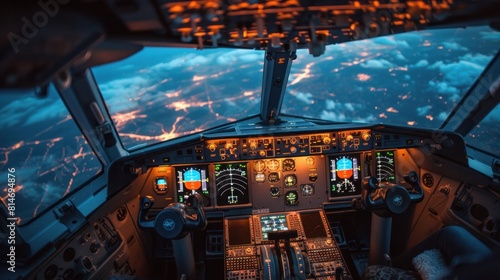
{"points": [[345, 175], [231, 181], [385, 166], [191, 180], [272, 223]]}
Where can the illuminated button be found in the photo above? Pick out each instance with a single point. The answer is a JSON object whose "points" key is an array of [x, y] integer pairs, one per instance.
{"points": [[253, 145], [212, 147], [366, 136]]}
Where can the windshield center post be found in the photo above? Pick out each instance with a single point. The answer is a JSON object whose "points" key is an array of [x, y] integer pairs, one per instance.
{"points": [[277, 64]]}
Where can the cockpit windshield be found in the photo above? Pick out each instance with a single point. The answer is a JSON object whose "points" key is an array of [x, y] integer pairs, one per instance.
{"points": [[43, 154], [163, 93], [411, 79]]}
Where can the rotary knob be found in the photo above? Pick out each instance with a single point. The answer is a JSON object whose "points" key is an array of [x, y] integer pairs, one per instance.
{"points": [[212, 147], [253, 145], [327, 140], [228, 146], [366, 136], [349, 137], [293, 150]]}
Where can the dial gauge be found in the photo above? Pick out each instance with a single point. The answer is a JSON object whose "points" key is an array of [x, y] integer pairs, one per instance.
{"points": [[191, 180], [310, 161], [344, 186], [288, 164], [290, 180], [307, 189], [274, 191], [385, 166], [428, 180], [313, 177], [259, 166], [231, 182], [121, 213], [345, 175], [260, 177], [273, 164], [273, 177], [291, 198]]}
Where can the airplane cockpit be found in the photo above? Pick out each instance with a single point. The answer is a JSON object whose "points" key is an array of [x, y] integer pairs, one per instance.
{"points": [[250, 139]]}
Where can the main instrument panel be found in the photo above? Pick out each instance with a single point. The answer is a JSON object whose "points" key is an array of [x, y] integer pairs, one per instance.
{"points": [[279, 173]]}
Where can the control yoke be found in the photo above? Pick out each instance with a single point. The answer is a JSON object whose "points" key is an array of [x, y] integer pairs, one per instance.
{"points": [[177, 220], [385, 200], [388, 199]]}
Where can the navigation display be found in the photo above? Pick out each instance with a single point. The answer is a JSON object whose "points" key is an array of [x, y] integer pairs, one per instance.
{"points": [[272, 223], [345, 175], [231, 181], [190, 180], [385, 166]]}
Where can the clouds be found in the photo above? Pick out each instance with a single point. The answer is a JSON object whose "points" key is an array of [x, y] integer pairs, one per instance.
{"points": [[454, 46], [444, 88], [477, 58], [377, 64], [345, 111], [391, 41], [29, 110], [121, 94], [421, 63], [458, 76], [465, 71], [206, 58], [490, 35], [424, 110], [304, 97]]}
